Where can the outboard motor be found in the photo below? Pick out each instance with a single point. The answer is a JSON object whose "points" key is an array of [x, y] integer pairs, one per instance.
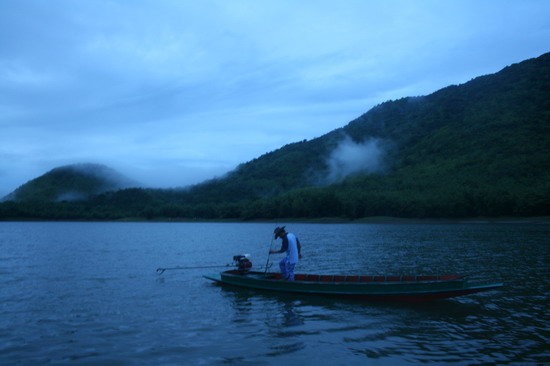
{"points": [[242, 262]]}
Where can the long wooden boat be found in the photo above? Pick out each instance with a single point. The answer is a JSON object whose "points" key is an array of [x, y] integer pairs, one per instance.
{"points": [[380, 288]]}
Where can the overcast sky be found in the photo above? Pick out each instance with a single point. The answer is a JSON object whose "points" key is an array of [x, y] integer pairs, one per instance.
{"points": [[172, 93]]}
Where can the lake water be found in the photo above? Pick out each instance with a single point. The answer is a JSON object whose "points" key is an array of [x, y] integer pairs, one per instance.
{"points": [[88, 294]]}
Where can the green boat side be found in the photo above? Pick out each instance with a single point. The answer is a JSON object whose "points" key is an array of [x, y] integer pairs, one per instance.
{"points": [[216, 277], [392, 290]]}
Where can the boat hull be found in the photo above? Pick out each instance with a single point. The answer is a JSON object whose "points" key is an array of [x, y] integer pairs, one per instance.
{"points": [[372, 288]]}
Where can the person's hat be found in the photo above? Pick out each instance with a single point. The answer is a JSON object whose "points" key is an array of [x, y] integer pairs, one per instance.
{"points": [[278, 231]]}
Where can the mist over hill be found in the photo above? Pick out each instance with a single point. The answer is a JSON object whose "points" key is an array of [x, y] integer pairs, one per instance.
{"points": [[476, 149], [76, 182]]}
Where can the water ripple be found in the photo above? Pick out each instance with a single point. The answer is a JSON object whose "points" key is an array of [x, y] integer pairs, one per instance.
{"points": [[87, 294]]}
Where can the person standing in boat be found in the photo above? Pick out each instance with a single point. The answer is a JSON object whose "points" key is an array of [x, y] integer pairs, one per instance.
{"points": [[291, 245]]}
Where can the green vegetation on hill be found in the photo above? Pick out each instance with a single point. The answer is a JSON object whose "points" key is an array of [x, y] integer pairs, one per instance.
{"points": [[71, 183], [477, 149]]}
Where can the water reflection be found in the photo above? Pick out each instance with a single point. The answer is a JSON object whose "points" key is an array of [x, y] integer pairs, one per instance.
{"points": [[280, 311], [291, 316], [470, 330]]}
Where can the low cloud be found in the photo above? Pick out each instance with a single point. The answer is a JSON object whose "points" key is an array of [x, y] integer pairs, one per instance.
{"points": [[350, 157]]}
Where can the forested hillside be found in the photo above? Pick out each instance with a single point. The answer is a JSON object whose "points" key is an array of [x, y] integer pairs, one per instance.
{"points": [[72, 183], [477, 149]]}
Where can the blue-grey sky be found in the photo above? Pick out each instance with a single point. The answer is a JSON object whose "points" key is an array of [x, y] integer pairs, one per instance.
{"points": [[174, 92]]}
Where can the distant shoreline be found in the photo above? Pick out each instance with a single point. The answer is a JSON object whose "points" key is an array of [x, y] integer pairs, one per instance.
{"points": [[399, 220], [329, 220]]}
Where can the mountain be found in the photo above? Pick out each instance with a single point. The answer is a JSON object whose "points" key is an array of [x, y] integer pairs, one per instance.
{"points": [[480, 148], [72, 183], [476, 149]]}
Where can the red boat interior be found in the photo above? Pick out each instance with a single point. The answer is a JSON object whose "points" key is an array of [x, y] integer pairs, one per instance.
{"points": [[343, 278], [340, 278]]}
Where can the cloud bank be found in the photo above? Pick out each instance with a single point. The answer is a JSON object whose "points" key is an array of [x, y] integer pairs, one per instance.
{"points": [[175, 92]]}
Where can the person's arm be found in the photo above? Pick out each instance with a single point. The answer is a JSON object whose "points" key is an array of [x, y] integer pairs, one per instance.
{"points": [[299, 248], [283, 249]]}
